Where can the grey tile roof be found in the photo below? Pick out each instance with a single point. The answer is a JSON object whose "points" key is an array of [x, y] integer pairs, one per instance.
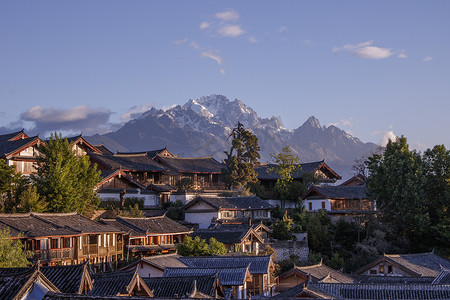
{"points": [[69, 278], [162, 188], [33, 227], [234, 203], [338, 192], [7, 147], [171, 287], [165, 261], [191, 165], [115, 283], [226, 237], [258, 264], [384, 291], [109, 174], [154, 225], [129, 162], [8, 136], [263, 171], [394, 279], [443, 277], [103, 149], [76, 222], [227, 276], [319, 272]]}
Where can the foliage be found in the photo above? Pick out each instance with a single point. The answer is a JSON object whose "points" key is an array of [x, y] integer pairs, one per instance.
{"points": [[29, 200], [286, 165], [132, 211], [335, 262], [199, 247], [256, 188], [12, 253], [282, 229], [133, 201], [184, 184], [10, 183], [174, 210], [239, 168], [64, 179]]}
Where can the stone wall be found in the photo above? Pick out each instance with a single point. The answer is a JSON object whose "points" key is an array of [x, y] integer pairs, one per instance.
{"points": [[285, 249]]}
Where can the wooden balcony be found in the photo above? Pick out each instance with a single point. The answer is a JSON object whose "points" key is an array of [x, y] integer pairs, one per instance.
{"points": [[54, 254]]}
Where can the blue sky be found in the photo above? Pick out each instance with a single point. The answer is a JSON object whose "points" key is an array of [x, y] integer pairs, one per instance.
{"points": [[373, 68]]}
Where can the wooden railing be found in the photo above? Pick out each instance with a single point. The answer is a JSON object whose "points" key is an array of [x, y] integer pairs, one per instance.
{"points": [[54, 254]]}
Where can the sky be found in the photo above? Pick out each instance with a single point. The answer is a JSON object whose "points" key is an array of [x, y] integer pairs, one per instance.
{"points": [[376, 69]]}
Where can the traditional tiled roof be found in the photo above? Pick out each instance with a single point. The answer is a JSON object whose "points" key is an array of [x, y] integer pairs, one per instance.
{"points": [[227, 233], [131, 231], [305, 291], [154, 225], [358, 179], [417, 265], [232, 203], [61, 296], [79, 139], [263, 171], [32, 227], [443, 277], [70, 278], [110, 174], [319, 272], [159, 261], [12, 136], [337, 192], [204, 165], [128, 162], [394, 279], [18, 285], [118, 283], [161, 188], [103, 149], [258, 264], [8, 148], [173, 287], [227, 276], [76, 222], [151, 153], [384, 291]]}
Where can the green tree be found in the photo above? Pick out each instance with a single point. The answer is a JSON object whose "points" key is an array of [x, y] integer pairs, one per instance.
{"points": [[286, 165], [10, 181], [397, 182], [283, 228], [12, 253], [29, 200], [65, 180], [199, 247], [240, 161]]}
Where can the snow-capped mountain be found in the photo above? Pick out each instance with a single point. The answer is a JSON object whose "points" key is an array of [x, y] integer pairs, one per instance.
{"points": [[201, 128]]}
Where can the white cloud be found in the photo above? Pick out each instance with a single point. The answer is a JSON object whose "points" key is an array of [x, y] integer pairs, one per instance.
{"points": [[204, 25], [343, 122], [402, 55], [252, 39], [179, 42], [194, 45], [372, 52], [428, 58], [385, 137], [209, 54], [228, 15], [282, 29], [351, 47], [231, 30], [222, 71]]}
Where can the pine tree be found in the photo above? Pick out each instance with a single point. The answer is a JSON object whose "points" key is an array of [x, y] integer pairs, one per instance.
{"points": [[12, 253]]}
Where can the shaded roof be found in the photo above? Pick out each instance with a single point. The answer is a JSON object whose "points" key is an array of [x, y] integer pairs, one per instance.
{"points": [[227, 234], [32, 227], [443, 277], [172, 287], [103, 149], [12, 136], [160, 188], [69, 278], [417, 265], [151, 153], [233, 203], [383, 291], [8, 148], [159, 261], [337, 192], [319, 272], [76, 222], [258, 264], [79, 139], [191, 165], [117, 283], [159, 224], [358, 179], [227, 276], [110, 174], [394, 279], [128, 162], [263, 171]]}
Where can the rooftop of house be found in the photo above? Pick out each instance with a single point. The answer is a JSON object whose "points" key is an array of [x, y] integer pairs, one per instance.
{"points": [[8, 147], [264, 171], [151, 225], [227, 276], [204, 165], [107, 175], [232, 203], [227, 234], [69, 278], [417, 265], [116, 283], [260, 264], [12, 136], [337, 192], [319, 272], [128, 162], [173, 287]]}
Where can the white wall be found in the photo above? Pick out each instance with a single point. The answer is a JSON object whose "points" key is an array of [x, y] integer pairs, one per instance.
{"points": [[202, 219], [317, 204], [150, 200]]}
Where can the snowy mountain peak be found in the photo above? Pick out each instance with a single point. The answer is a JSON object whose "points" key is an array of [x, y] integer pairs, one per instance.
{"points": [[312, 122]]}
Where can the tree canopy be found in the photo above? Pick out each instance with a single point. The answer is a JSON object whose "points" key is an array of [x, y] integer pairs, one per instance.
{"points": [[12, 253], [240, 161], [66, 181], [199, 247]]}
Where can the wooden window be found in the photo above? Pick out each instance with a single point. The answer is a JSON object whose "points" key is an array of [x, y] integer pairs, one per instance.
{"points": [[310, 205], [66, 242], [37, 245], [323, 205], [390, 269], [54, 243], [381, 268]]}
